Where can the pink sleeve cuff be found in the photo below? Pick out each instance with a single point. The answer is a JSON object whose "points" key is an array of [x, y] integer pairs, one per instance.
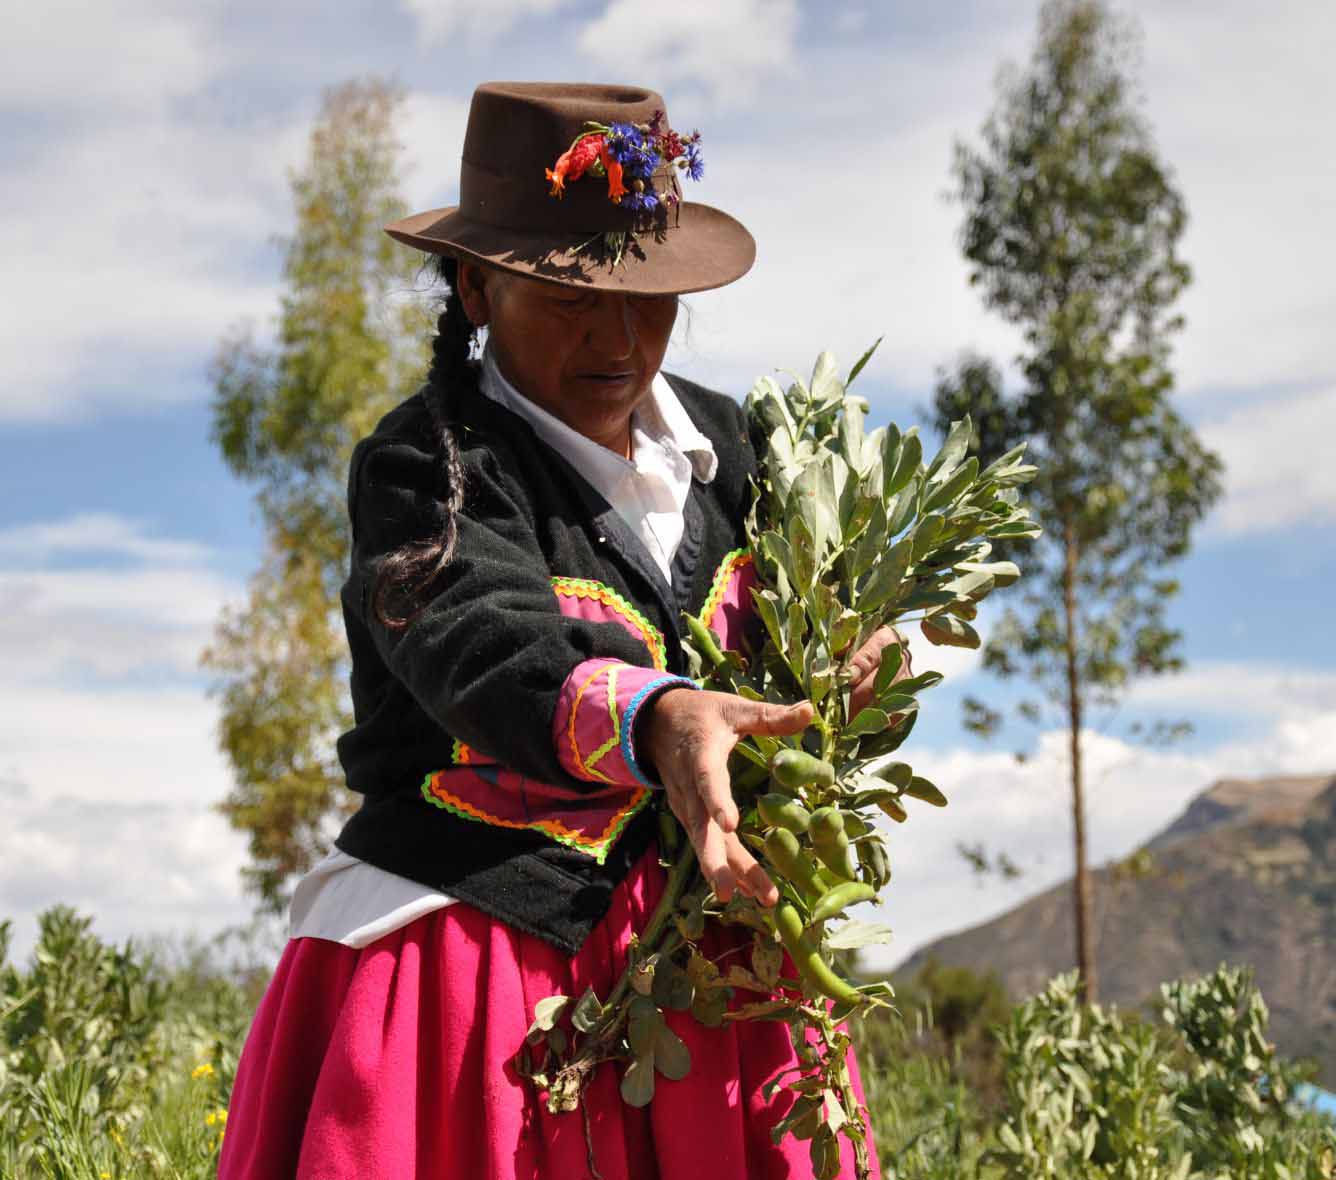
{"points": [[594, 726]]}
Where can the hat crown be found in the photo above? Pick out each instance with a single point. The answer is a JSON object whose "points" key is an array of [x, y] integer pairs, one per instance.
{"points": [[516, 130], [515, 125]]}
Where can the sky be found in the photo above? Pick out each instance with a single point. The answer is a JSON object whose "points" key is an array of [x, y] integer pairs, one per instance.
{"points": [[145, 149]]}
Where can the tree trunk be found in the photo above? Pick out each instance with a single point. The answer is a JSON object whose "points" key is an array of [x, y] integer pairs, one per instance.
{"points": [[1083, 900]]}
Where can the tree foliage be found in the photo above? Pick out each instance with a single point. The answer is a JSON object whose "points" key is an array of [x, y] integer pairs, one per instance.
{"points": [[286, 415], [1071, 231]]}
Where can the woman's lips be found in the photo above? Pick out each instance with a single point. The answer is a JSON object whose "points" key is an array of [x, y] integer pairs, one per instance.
{"points": [[608, 380]]}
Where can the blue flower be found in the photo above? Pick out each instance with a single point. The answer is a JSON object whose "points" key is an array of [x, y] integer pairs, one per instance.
{"points": [[695, 165], [645, 202], [632, 150], [624, 142]]}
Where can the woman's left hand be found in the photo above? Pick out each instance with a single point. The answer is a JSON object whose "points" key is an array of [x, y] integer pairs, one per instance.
{"points": [[866, 662]]}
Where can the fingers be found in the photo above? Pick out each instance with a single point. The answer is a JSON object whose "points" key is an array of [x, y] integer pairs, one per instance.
{"points": [[767, 719], [752, 879], [867, 658], [715, 788], [728, 866]]}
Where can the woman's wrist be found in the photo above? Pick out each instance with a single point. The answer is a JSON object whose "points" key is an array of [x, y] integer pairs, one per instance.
{"points": [[648, 729]]}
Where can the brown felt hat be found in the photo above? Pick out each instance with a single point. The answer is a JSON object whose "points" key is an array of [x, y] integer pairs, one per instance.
{"points": [[507, 217]]}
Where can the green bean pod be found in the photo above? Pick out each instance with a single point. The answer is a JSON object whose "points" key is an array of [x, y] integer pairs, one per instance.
{"points": [[827, 825], [780, 811], [786, 854], [873, 857], [797, 768], [894, 809], [811, 966], [705, 642], [841, 898], [837, 855]]}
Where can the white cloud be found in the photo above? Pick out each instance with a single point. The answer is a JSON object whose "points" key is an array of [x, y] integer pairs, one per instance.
{"points": [[112, 295], [109, 781], [110, 624], [1278, 468], [431, 128], [65, 52], [1244, 691], [120, 603], [438, 21], [125, 223], [1239, 97], [168, 866], [94, 532], [728, 47]]}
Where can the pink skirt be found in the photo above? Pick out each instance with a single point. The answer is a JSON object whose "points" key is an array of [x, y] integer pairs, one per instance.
{"points": [[393, 1061]]}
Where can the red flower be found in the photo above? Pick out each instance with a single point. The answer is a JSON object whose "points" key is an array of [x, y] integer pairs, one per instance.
{"points": [[670, 145], [573, 162], [616, 189]]}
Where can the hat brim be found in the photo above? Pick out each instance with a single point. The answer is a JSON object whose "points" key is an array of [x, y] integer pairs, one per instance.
{"points": [[705, 249]]}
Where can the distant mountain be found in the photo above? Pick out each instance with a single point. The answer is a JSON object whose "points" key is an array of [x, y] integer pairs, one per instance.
{"points": [[1246, 875]]}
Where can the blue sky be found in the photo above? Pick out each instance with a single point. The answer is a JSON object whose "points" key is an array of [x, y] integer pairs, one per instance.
{"points": [[144, 149]]}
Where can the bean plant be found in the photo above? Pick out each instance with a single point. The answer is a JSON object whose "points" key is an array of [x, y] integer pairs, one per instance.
{"points": [[850, 530]]}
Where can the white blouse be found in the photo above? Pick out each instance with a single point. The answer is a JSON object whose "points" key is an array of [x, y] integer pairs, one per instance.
{"points": [[346, 900]]}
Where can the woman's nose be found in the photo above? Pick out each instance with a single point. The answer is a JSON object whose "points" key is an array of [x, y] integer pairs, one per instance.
{"points": [[612, 328]]}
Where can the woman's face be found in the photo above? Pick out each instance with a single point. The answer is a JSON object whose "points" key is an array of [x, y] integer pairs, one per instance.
{"points": [[587, 357]]}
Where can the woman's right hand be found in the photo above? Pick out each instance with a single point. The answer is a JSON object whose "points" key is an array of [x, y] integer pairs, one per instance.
{"points": [[689, 735]]}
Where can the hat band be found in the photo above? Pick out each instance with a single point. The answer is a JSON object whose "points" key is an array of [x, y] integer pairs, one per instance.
{"points": [[522, 204]]}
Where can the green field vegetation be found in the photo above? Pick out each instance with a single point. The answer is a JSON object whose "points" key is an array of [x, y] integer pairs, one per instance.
{"points": [[116, 1062]]}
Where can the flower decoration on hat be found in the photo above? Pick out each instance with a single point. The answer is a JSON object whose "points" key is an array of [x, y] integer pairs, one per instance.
{"points": [[628, 155]]}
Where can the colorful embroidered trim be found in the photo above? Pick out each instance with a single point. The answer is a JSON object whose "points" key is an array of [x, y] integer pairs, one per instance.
{"points": [[462, 755], [637, 624], [587, 765], [629, 721], [435, 792], [732, 562]]}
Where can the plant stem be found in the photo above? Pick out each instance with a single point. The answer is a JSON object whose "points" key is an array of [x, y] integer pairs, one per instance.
{"points": [[673, 890]]}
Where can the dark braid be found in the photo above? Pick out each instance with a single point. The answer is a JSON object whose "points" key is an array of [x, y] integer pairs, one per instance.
{"points": [[408, 574]]}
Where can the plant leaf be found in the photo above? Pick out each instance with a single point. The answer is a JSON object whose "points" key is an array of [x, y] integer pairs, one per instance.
{"points": [[948, 631], [921, 788], [862, 361], [885, 578], [946, 492], [638, 1082], [802, 553], [588, 1011], [854, 934], [892, 658], [671, 1056], [954, 448], [870, 720], [899, 468], [546, 1013]]}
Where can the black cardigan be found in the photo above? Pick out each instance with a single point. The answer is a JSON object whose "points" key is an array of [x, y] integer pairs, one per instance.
{"points": [[485, 662]]}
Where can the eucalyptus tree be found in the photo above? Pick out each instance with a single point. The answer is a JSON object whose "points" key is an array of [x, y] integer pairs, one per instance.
{"points": [[286, 414], [1071, 230]]}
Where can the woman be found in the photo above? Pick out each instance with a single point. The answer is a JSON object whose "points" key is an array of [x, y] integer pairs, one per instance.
{"points": [[526, 533]]}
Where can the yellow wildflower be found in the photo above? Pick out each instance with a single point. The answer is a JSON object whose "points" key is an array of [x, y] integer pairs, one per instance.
{"points": [[202, 1071]]}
